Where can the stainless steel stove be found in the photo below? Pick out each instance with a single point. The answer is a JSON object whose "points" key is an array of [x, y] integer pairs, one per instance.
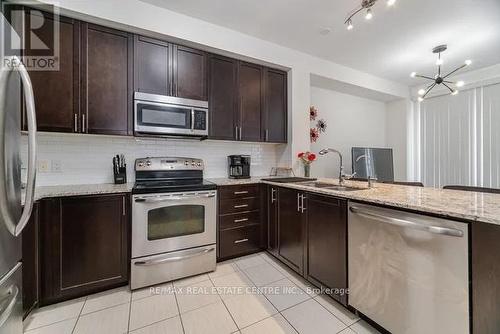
{"points": [[173, 221]]}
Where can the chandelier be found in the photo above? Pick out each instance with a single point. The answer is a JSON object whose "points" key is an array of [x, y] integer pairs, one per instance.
{"points": [[439, 78], [365, 5]]}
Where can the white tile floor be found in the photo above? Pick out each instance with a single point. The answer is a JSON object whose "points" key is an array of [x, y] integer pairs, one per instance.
{"points": [[250, 295]]}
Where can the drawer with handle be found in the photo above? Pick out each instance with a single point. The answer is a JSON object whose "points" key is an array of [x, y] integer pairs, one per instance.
{"points": [[228, 206], [239, 191], [239, 219], [240, 240]]}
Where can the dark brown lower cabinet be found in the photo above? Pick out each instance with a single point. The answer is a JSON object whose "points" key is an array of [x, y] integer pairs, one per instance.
{"points": [[291, 229], [31, 265], [84, 245], [326, 263], [485, 277]]}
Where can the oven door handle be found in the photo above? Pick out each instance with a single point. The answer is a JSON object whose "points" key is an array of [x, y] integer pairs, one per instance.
{"points": [[171, 198], [174, 258]]}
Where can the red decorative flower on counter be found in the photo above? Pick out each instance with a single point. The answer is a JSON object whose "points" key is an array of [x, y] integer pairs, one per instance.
{"points": [[311, 157], [314, 134]]}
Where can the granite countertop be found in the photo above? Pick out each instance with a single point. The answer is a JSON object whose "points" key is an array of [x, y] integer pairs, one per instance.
{"points": [[224, 181], [81, 189], [472, 206]]}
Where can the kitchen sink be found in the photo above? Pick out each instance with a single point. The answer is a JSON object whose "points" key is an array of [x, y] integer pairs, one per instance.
{"points": [[324, 185], [293, 179]]}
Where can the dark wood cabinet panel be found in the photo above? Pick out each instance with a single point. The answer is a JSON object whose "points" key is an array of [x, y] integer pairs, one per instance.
{"points": [[152, 66], [190, 73], [229, 206], [31, 264], [223, 99], [239, 241], [106, 81], [84, 245], [275, 112], [485, 274], [272, 219], [239, 191], [290, 229], [251, 101], [57, 91], [326, 263]]}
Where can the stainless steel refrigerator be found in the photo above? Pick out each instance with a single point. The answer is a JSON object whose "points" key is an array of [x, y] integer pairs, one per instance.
{"points": [[14, 84]]}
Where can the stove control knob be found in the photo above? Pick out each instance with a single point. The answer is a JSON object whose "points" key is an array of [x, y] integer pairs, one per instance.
{"points": [[141, 164], [186, 163], [193, 163], [148, 163], [198, 164]]}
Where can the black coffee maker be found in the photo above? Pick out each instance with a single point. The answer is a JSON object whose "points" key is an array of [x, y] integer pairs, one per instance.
{"points": [[239, 166]]}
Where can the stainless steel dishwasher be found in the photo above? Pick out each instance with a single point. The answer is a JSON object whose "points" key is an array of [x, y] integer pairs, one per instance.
{"points": [[407, 272]]}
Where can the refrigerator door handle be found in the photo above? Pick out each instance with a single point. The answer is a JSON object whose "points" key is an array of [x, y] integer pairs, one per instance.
{"points": [[6, 216], [6, 312]]}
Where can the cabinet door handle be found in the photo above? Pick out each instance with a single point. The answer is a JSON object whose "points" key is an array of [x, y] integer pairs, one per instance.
{"points": [[241, 192], [240, 132], [267, 135], [302, 203], [76, 123], [240, 241], [241, 220], [123, 206], [84, 125], [241, 206], [236, 132], [298, 202], [273, 195]]}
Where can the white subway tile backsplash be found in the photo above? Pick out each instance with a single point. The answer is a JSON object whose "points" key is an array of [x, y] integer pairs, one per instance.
{"points": [[87, 159]]}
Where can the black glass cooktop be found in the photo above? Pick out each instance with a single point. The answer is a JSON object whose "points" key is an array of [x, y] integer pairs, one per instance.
{"points": [[176, 185]]}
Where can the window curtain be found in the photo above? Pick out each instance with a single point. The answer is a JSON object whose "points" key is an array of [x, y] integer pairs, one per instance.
{"points": [[459, 139]]}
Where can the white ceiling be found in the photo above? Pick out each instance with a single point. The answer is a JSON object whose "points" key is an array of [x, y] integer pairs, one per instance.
{"points": [[397, 41]]}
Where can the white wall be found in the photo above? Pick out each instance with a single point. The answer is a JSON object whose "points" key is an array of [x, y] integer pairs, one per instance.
{"points": [[146, 18], [352, 121], [396, 125], [87, 158]]}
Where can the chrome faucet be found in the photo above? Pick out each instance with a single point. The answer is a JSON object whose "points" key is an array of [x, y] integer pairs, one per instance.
{"points": [[342, 176], [370, 178]]}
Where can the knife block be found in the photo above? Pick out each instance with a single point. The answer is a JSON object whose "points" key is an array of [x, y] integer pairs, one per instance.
{"points": [[121, 176]]}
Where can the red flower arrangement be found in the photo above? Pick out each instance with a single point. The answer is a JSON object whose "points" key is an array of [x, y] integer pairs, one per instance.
{"points": [[307, 157]]}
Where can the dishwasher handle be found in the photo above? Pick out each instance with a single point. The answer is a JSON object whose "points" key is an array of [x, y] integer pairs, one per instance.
{"points": [[406, 223]]}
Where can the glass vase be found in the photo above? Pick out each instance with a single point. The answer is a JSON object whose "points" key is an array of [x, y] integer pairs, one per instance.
{"points": [[307, 170]]}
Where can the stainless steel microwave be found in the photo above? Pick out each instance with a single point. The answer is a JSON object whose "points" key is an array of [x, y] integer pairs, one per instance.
{"points": [[170, 116]]}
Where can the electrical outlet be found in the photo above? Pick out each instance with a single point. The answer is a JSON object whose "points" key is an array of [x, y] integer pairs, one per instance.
{"points": [[56, 166], [43, 166]]}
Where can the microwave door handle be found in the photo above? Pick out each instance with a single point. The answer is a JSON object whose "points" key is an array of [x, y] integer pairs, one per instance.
{"points": [[5, 214]]}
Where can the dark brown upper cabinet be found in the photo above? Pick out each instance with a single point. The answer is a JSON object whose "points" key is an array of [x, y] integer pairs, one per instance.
{"points": [[152, 66], [190, 73], [167, 69], [83, 245], [326, 263], [251, 101], [223, 101], [275, 112], [106, 81], [57, 92]]}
